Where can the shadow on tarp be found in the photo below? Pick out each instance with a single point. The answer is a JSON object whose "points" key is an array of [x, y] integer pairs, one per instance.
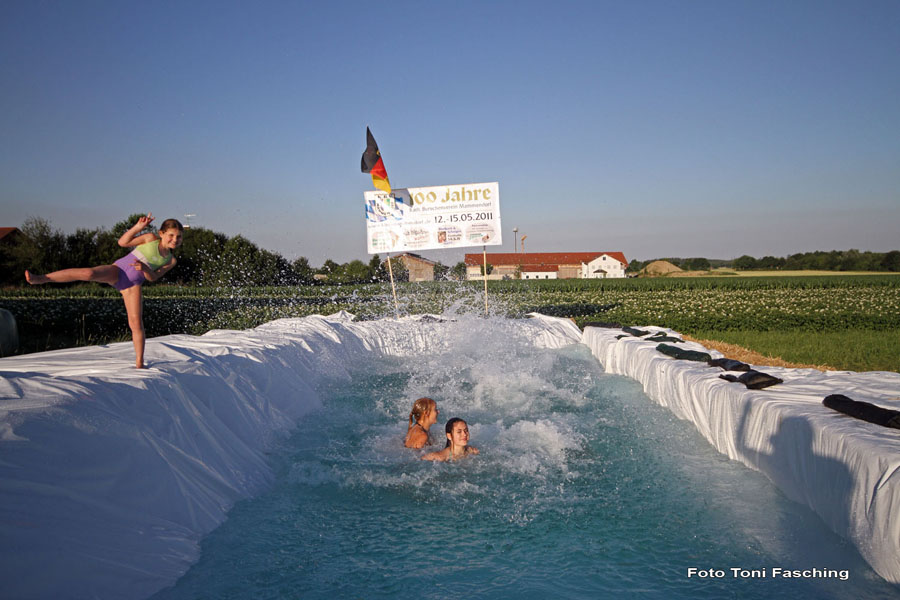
{"points": [[796, 469]]}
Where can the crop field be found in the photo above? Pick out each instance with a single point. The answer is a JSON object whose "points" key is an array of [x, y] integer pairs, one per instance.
{"points": [[776, 313]]}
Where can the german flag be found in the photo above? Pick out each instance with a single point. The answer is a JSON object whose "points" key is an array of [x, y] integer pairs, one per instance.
{"points": [[372, 163]]}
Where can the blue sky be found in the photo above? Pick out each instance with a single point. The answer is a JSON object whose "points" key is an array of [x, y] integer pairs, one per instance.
{"points": [[655, 128]]}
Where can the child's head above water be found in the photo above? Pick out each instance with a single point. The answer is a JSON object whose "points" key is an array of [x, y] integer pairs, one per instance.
{"points": [[457, 432], [420, 409]]}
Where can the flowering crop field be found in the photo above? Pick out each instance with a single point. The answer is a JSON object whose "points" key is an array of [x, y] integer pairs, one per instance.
{"points": [[50, 317]]}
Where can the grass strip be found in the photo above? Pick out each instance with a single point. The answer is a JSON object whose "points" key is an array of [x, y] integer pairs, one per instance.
{"points": [[847, 349]]}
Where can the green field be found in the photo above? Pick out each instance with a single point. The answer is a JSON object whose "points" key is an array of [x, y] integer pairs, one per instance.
{"points": [[845, 349], [848, 322]]}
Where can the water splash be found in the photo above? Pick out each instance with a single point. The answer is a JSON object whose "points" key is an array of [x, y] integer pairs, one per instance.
{"points": [[578, 473]]}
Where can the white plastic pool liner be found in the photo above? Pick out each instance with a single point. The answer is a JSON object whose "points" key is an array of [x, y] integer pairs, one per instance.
{"points": [[844, 469], [110, 477]]}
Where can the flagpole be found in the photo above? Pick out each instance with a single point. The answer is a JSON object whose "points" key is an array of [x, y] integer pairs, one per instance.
{"points": [[393, 288], [484, 252]]}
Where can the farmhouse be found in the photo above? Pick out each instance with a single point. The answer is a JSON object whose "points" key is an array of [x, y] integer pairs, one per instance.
{"points": [[548, 265], [10, 236], [419, 268]]}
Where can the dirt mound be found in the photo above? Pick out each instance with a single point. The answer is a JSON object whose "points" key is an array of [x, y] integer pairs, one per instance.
{"points": [[659, 267]]}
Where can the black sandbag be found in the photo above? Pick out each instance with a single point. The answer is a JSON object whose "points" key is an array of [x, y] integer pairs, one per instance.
{"points": [[729, 364], [754, 380], [660, 336], [682, 354], [635, 332], [863, 410]]}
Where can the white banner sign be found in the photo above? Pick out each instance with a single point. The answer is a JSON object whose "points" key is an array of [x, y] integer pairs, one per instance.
{"points": [[433, 218]]}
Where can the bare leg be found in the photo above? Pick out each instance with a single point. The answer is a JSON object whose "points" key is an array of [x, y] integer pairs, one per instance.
{"points": [[134, 306], [102, 274]]}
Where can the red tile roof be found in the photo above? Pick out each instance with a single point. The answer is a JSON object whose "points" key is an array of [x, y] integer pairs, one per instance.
{"points": [[541, 258], [5, 231]]}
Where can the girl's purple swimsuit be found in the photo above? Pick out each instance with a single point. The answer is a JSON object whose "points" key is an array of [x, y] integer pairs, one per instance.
{"points": [[128, 275], [148, 255]]}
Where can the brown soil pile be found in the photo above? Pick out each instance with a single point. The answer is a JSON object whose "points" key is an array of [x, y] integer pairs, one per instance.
{"points": [[754, 358], [659, 267]]}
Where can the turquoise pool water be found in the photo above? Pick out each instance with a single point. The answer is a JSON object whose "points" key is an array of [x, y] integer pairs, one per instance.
{"points": [[584, 488]]}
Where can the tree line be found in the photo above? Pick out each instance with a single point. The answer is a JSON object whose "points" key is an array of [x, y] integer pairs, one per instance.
{"points": [[206, 258], [209, 258], [833, 260]]}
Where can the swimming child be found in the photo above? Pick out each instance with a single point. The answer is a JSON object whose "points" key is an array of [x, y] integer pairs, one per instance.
{"points": [[424, 413], [457, 442], [150, 259]]}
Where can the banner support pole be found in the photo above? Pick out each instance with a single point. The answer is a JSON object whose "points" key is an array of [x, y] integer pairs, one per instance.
{"points": [[393, 289], [484, 252]]}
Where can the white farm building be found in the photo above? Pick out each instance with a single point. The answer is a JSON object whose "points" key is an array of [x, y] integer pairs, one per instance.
{"points": [[548, 265]]}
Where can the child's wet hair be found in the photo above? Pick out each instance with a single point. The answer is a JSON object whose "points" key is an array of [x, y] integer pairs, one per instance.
{"points": [[420, 407]]}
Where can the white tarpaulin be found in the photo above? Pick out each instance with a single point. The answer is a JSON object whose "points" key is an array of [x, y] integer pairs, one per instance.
{"points": [[110, 477], [433, 218], [844, 469]]}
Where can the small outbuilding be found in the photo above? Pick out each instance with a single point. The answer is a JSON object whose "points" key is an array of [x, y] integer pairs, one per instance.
{"points": [[418, 267]]}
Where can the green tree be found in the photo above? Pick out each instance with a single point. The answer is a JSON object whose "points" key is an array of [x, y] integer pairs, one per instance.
{"points": [[82, 249], [200, 257], [441, 271], [458, 271], [490, 269], [356, 271], [401, 273], [635, 266], [696, 264], [303, 272], [271, 268], [378, 268], [891, 261], [239, 259], [794, 262], [329, 267], [41, 249], [744, 262], [770, 262]]}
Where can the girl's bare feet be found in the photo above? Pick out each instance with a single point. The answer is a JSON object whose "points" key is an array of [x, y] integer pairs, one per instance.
{"points": [[35, 279]]}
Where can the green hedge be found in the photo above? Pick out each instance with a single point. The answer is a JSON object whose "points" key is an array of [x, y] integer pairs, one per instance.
{"points": [[94, 313]]}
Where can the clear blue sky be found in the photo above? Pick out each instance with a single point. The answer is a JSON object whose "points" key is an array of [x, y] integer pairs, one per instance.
{"points": [[673, 128]]}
